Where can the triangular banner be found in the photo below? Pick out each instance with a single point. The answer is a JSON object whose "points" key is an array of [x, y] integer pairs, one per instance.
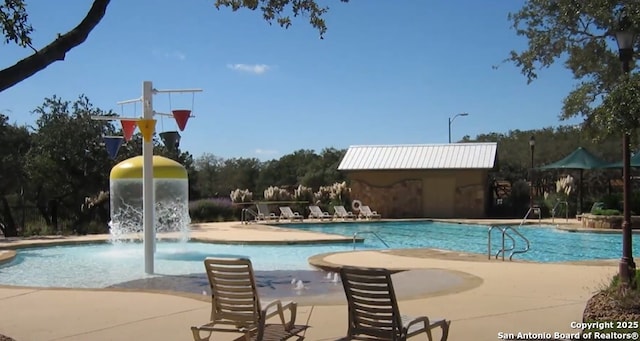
{"points": [[128, 128], [181, 117], [171, 139], [113, 144], [147, 128]]}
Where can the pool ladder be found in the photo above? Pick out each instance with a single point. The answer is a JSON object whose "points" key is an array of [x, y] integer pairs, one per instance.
{"points": [[505, 234], [355, 235], [246, 214], [555, 210]]}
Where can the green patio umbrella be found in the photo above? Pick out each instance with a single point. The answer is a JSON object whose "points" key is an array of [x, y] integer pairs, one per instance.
{"points": [[635, 162], [579, 159]]}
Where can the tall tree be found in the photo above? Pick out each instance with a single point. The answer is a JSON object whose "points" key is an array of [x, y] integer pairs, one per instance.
{"points": [[14, 143], [14, 21], [583, 32], [67, 161], [580, 34]]}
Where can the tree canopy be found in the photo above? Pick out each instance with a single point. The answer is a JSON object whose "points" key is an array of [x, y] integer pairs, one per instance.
{"points": [[581, 34]]}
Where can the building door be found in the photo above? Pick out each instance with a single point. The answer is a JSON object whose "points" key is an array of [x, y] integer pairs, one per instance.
{"points": [[439, 197]]}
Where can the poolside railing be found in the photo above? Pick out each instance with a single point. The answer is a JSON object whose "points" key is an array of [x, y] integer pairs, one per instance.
{"points": [[355, 235], [534, 210], [505, 234], [555, 210], [246, 214]]}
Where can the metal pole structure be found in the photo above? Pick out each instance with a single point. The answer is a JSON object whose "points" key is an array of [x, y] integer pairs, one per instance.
{"points": [[626, 39], [627, 266], [148, 199], [532, 146], [451, 121]]}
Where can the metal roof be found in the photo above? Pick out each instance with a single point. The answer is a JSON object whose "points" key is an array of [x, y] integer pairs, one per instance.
{"points": [[421, 156]]}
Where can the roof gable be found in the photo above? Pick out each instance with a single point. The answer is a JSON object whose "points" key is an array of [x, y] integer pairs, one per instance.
{"points": [[423, 156]]}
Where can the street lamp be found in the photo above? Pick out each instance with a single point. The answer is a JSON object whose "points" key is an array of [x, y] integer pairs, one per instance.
{"points": [[532, 146], [625, 39], [453, 118]]}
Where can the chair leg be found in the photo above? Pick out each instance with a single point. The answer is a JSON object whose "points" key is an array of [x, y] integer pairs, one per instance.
{"points": [[445, 330], [196, 334]]}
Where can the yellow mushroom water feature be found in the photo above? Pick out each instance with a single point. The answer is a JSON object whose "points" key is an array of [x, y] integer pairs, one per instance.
{"points": [[171, 192]]}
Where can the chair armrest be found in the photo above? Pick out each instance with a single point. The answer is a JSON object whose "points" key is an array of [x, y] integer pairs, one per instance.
{"points": [[409, 322], [280, 308]]}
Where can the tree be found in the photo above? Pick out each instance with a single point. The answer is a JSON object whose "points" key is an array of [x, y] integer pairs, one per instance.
{"points": [[67, 161], [14, 21], [14, 143], [17, 29], [580, 33]]}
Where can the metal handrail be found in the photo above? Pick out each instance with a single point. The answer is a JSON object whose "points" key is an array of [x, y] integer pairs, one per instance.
{"points": [[566, 210], [503, 249], [245, 212], [505, 235], [535, 209], [521, 236], [371, 232]]}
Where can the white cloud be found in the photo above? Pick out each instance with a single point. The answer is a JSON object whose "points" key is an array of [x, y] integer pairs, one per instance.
{"points": [[256, 69], [265, 151]]}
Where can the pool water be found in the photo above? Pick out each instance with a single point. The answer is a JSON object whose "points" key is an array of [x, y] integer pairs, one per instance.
{"points": [[547, 244], [104, 265]]}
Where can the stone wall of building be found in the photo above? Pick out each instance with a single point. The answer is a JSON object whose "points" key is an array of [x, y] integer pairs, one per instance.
{"points": [[402, 199], [471, 201]]}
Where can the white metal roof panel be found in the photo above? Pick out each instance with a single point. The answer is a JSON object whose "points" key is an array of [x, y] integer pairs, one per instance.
{"points": [[421, 156]]}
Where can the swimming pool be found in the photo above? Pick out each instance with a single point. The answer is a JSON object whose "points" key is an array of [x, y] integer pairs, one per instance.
{"points": [[105, 265], [548, 244]]}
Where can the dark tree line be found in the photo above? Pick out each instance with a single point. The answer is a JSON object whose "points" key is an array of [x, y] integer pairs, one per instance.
{"points": [[61, 164], [61, 167]]}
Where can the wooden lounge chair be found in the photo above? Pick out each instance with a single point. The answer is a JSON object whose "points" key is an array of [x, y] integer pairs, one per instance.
{"points": [[367, 213], [264, 213], [373, 308], [287, 213], [235, 305], [341, 212], [317, 213]]}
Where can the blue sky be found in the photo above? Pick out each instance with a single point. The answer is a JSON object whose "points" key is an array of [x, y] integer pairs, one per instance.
{"points": [[387, 72]]}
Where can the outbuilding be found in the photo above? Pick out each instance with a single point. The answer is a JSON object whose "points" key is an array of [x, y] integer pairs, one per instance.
{"points": [[422, 181]]}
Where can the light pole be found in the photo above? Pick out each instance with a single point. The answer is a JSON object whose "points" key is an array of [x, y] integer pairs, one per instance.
{"points": [[625, 39], [532, 147], [453, 118]]}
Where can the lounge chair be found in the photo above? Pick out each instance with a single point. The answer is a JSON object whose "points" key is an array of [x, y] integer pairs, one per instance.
{"points": [[367, 213], [287, 213], [317, 213], [341, 212], [235, 305], [264, 213], [373, 308]]}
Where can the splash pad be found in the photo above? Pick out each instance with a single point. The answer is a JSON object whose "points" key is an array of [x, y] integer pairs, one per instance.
{"points": [[171, 193]]}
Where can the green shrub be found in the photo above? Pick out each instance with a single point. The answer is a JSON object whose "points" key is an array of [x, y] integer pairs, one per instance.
{"points": [[210, 210], [605, 212], [612, 201]]}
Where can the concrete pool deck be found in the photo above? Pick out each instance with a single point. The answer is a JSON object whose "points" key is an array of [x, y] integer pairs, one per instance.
{"points": [[511, 297]]}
